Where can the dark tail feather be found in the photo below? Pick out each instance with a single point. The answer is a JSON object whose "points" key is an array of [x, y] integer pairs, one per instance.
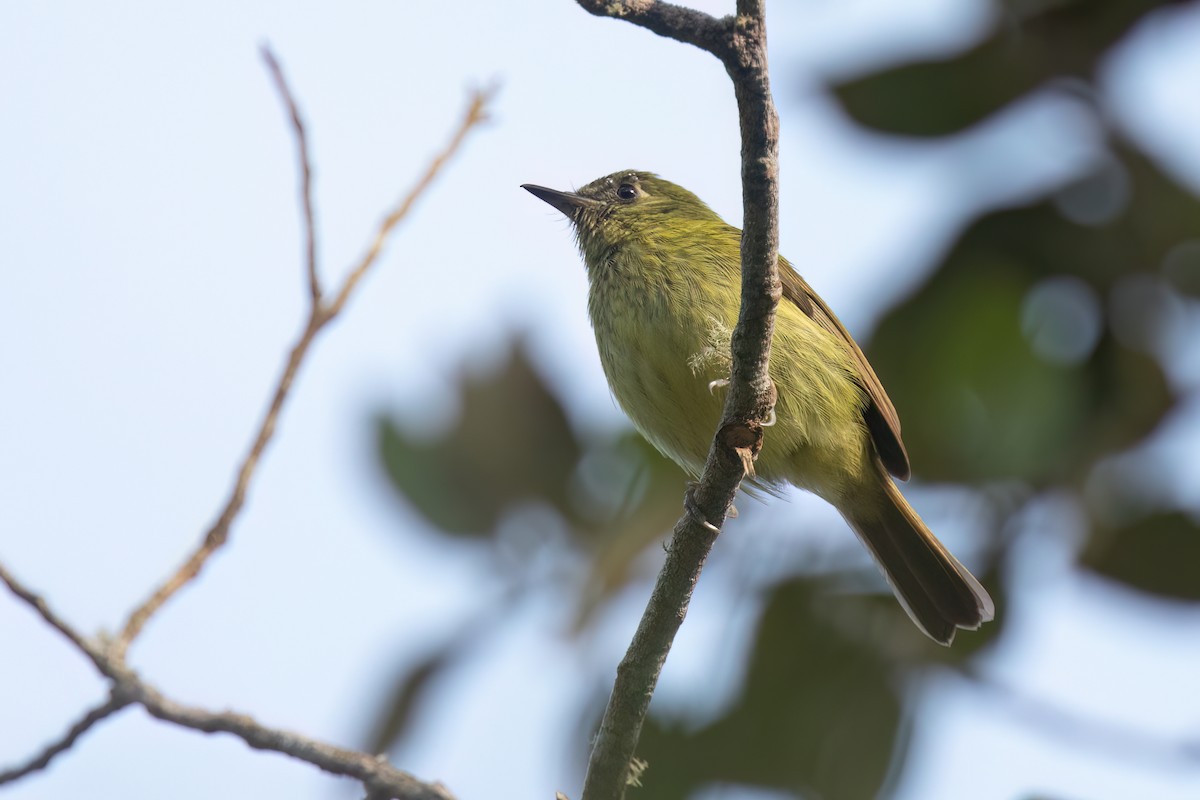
{"points": [[936, 591]]}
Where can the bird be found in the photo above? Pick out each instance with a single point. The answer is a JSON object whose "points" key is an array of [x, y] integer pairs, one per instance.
{"points": [[664, 278]]}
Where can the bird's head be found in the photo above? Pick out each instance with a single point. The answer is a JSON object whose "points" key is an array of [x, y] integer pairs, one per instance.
{"points": [[628, 205]]}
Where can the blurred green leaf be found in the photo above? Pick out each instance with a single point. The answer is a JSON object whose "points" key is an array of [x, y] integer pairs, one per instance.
{"points": [[997, 378], [818, 714], [511, 444], [412, 682], [976, 402], [1033, 43], [1182, 267], [650, 488], [1157, 554]]}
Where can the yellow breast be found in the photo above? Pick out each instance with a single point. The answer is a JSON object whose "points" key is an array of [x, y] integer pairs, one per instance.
{"points": [[663, 336]]}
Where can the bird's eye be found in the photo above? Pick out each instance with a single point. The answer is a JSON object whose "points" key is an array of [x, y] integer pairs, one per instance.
{"points": [[626, 191]]}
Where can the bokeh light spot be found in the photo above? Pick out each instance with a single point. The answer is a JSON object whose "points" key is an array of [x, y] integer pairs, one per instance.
{"points": [[1098, 197], [1061, 319], [1182, 266]]}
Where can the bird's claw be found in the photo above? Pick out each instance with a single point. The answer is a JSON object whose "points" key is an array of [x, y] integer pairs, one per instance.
{"points": [[693, 510], [721, 383]]}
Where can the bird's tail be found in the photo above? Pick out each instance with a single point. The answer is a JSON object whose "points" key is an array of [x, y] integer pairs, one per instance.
{"points": [[937, 592]]}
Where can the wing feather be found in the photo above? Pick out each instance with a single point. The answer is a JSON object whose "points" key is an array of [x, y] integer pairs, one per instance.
{"points": [[879, 414]]}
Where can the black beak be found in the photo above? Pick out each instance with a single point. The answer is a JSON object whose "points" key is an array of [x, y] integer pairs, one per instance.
{"points": [[566, 202]]}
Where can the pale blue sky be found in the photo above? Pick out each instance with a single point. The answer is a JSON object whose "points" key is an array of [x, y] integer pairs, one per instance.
{"points": [[148, 223]]}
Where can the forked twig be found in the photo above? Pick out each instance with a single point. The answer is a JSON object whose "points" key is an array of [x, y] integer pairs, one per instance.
{"points": [[321, 313], [305, 167], [127, 687], [109, 656], [42, 759]]}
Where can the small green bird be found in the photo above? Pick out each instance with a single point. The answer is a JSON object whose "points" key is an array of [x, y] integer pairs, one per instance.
{"points": [[664, 273]]}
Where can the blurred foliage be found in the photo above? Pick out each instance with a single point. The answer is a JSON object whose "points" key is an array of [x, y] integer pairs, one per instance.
{"points": [[411, 686], [1009, 362], [1031, 356], [817, 714], [1032, 42], [512, 476], [1157, 554], [512, 449], [512, 444]]}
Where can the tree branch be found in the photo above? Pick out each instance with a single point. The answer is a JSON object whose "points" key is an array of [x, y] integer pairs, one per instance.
{"points": [[39, 604], [127, 688], [669, 20], [380, 778], [305, 168], [321, 313], [476, 114], [374, 772], [64, 743], [740, 43]]}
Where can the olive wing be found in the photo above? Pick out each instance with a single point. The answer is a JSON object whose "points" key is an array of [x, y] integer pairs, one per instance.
{"points": [[879, 414]]}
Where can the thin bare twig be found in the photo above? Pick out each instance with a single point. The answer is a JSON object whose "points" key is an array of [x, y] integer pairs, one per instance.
{"points": [[379, 777], [375, 773], [740, 44], [42, 759], [91, 649], [305, 167], [320, 315], [38, 604], [127, 688], [476, 113], [218, 533]]}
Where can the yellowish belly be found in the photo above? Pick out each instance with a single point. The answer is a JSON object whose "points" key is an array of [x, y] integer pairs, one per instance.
{"points": [[660, 366]]}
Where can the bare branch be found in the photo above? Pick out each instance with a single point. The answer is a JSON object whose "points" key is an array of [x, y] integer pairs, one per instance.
{"points": [[666, 19], [38, 604], [476, 113], [127, 688], [305, 167], [375, 773], [218, 533], [380, 778], [740, 43], [320, 315], [42, 760], [637, 674], [95, 654], [751, 394]]}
